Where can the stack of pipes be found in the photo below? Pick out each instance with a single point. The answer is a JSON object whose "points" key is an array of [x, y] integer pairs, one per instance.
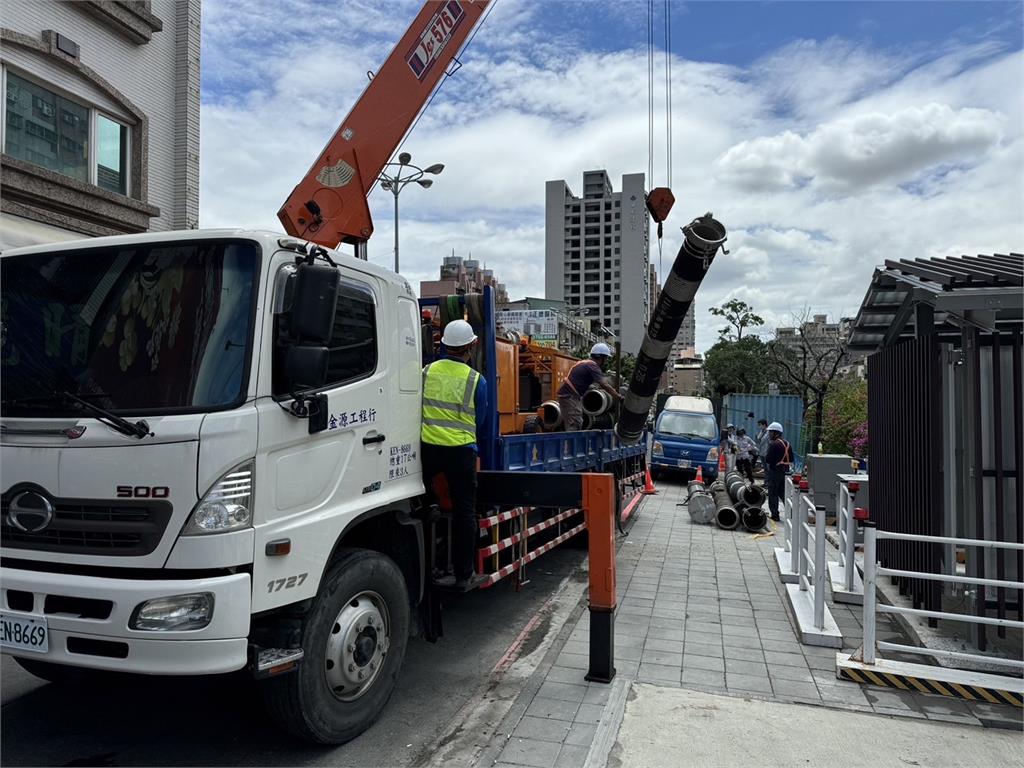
{"points": [[747, 501]]}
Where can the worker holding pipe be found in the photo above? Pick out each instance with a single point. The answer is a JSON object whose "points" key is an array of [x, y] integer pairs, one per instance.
{"points": [[454, 409], [581, 377], [777, 462]]}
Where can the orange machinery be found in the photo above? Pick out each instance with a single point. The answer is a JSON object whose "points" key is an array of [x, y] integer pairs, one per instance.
{"points": [[528, 374]]}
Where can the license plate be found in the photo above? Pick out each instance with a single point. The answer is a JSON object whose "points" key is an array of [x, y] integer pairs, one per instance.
{"points": [[684, 463], [24, 633]]}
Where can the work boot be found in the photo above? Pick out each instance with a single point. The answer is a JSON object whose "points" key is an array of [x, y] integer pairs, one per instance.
{"points": [[776, 518], [471, 582]]}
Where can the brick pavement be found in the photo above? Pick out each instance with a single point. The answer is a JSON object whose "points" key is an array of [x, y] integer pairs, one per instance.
{"points": [[699, 608]]}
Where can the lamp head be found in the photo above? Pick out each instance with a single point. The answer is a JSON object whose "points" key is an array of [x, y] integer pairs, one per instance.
{"points": [[424, 182], [385, 185], [435, 168], [405, 158]]}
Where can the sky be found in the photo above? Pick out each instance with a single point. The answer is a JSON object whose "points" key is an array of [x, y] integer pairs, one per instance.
{"points": [[826, 136]]}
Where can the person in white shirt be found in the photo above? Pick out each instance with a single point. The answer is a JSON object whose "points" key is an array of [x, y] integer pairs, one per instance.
{"points": [[746, 453]]}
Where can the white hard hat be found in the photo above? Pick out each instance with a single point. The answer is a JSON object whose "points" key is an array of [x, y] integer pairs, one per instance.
{"points": [[601, 349], [458, 333], [775, 427]]}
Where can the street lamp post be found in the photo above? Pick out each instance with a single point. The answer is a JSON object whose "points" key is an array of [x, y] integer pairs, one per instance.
{"points": [[397, 182]]}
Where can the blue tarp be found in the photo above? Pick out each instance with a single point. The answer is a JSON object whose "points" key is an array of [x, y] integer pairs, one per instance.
{"points": [[788, 410]]}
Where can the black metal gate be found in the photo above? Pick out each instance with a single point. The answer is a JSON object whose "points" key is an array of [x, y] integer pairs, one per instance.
{"points": [[905, 449]]}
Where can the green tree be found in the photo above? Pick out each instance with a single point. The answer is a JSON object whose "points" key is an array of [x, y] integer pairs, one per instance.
{"points": [[628, 364], [741, 366], [845, 416], [739, 315]]}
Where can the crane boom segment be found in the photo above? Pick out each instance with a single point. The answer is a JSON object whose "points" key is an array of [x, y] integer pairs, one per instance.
{"points": [[343, 174]]}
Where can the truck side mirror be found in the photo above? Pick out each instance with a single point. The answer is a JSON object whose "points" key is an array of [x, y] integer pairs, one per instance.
{"points": [[305, 367], [314, 302]]}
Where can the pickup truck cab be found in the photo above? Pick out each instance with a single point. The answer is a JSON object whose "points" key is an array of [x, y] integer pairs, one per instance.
{"points": [[686, 436]]}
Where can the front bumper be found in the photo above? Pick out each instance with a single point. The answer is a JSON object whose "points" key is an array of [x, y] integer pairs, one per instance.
{"points": [[709, 469], [108, 643]]}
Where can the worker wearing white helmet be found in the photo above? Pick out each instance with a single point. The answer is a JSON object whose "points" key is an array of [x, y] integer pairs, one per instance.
{"points": [[454, 409], [581, 377], [777, 462]]}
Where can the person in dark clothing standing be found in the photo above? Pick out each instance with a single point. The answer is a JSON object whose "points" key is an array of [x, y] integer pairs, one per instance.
{"points": [[777, 462], [454, 410], [581, 377]]}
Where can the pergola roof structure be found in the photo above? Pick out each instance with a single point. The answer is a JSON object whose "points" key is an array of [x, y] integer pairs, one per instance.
{"points": [[910, 297]]}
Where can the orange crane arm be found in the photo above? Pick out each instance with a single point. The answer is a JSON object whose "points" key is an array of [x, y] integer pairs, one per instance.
{"points": [[328, 206]]}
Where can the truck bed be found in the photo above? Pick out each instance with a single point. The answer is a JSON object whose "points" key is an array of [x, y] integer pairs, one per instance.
{"points": [[583, 451]]}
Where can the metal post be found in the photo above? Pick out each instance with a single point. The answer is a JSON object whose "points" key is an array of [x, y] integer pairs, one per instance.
{"points": [[394, 191], [851, 538], [841, 522], [599, 512], [870, 564], [819, 567], [801, 543], [796, 527]]}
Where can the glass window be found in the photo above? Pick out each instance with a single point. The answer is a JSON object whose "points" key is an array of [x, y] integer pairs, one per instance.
{"points": [[682, 424], [353, 344], [53, 132], [157, 327], [111, 155]]}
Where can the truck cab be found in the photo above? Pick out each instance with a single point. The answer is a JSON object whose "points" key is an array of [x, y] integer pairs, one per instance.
{"points": [[210, 449], [686, 436]]}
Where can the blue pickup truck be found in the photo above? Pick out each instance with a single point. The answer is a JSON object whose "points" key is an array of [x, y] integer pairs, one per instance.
{"points": [[686, 436]]}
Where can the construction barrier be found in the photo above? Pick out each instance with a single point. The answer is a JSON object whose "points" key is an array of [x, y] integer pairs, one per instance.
{"points": [[785, 556], [847, 585], [807, 597], [867, 666]]}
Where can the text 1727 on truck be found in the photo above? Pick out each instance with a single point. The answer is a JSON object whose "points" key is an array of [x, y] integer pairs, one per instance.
{"points": [[210, 456]]}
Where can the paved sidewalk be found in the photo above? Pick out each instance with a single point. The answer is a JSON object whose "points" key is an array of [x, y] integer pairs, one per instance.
{"points": [[701, 609]]}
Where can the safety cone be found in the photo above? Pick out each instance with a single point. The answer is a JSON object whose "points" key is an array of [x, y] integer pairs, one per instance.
{"points": [[700, 476], [721, 463], [648, 483]]}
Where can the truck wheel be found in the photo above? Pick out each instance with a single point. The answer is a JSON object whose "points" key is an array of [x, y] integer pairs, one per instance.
{"points": [[354, 640]]}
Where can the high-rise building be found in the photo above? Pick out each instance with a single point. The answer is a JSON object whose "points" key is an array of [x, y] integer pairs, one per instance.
{"points": [[596, 253], [685, 345], [101, 118], [459, 275]]}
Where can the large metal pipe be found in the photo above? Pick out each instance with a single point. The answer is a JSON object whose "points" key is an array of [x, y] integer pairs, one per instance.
{"points": [[700, 504], [726, 516], [601, 421], [748, 495], [550, 414], [596, 401], [702, 238], [754, 519]]}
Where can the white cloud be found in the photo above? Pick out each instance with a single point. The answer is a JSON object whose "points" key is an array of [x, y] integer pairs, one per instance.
{"points": [[823, 158]]}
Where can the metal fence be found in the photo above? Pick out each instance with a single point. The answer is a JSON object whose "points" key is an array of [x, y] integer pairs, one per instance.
{"points": [[811, 565], [846, 585], [872, 570]]}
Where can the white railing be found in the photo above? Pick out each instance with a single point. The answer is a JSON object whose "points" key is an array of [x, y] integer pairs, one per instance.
{"points": [[810, 554], [872, 570], [846, 584]]}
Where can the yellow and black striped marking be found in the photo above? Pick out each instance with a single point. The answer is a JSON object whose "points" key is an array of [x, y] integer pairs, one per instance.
{"points": [[924, 685]]}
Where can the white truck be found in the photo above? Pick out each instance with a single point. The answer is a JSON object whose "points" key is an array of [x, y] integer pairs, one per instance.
{"points": [[210, 461], [214, 515]]}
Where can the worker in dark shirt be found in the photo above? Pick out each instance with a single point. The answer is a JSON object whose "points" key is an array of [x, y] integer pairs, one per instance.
{"points": [[777, 462], [581, 377], [454, 412]]}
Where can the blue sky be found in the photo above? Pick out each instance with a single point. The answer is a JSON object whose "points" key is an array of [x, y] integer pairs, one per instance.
{"points": [[817, 132]]}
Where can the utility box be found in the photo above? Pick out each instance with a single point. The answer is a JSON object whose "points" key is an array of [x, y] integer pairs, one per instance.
{"points": [[821, 469]]}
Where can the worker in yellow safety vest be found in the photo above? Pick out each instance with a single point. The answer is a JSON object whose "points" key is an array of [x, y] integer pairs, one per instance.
{"points": [[454, 409]]}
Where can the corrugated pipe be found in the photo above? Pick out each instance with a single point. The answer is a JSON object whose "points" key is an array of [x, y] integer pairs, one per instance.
{"points": [[754, 519], [748, 495], [702, 238], [601, 421], [700, 504], [596, 401], [550, 414], [726, 516]]}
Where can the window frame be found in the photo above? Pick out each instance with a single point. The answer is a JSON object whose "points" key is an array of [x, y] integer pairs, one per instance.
{"points": [[94, 111], [363, 287]]}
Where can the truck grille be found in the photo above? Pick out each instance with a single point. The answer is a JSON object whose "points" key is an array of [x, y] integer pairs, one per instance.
{"points": [[129, 528]]}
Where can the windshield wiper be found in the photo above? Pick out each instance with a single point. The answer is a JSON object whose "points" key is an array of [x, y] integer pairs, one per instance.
{"points": [[139, 429]]}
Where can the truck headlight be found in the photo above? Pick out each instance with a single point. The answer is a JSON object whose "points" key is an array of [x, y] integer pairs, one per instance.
{"points": [[658, 449], [176, 613], [713, 454], [227, 506]]}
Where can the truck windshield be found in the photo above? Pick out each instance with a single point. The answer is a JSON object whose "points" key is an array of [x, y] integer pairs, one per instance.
{"points": [[155, 327], [688, 425]]}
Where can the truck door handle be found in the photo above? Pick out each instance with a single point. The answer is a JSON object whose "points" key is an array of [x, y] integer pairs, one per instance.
{"points": [[375, 439]]}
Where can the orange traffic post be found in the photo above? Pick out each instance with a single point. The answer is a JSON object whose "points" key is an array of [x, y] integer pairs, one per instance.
{"points": [[599, 512]]}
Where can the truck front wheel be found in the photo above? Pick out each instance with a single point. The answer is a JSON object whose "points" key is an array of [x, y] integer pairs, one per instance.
{"points": [[354, 640]]}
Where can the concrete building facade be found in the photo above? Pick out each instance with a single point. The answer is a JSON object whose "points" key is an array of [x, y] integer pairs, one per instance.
{"points": [[596, 252], [458, 276], [100, 118]]}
